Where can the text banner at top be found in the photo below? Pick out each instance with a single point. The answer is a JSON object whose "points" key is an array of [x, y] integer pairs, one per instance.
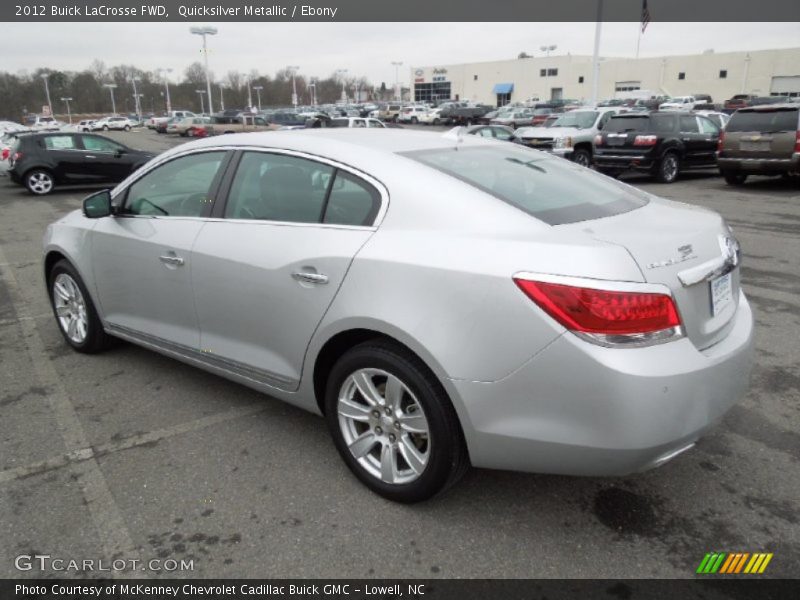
{"points": [[711, 11]]}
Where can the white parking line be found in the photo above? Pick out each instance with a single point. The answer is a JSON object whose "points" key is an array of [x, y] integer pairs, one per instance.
{"points": [[92, 452], [111, 529]]}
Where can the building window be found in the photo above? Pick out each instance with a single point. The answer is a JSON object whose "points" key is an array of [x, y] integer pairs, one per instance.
{"points": [[543, 73], [432, 92], [681, 75], [580, 79], [474, 78], [723, 74], [552, 72]]}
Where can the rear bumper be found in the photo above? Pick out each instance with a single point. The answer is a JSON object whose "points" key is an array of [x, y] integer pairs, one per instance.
{"points": [[636, 162], [581, 409], [759, 165]]}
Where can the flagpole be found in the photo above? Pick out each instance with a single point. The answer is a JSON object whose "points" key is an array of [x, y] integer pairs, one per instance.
{"points": [[639, 40]]}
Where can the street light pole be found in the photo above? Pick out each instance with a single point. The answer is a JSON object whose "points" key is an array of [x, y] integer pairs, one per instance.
{"points": [[111, 87], [397, 91], [221, 96], [136, 98], [206, 31], [258, 89], [202, 106], [166, 87], [69, 113], [342, 73], [44, 76], [249, 95], [596, 56], [293, 70]]}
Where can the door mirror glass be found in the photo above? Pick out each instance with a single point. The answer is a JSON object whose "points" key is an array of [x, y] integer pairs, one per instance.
{"points": [[97, 205]]}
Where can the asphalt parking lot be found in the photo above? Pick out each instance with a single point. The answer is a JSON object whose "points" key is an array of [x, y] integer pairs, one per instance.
{"points": [[132, 455]]}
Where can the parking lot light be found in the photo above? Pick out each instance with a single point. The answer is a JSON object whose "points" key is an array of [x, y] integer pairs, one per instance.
{"points": [[111, 87], [258, 89], [206, 31], [166, 86], [69, 113], [136, 97], [221, 96]]}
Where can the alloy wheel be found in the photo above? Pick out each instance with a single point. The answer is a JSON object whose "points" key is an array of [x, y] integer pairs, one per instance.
{"points": [[384, 426], [669, 167], [40, 182], [70, 308]]}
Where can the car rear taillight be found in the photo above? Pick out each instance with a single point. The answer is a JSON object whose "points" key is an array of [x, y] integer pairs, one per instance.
{"points": [[721, 141], [17, 156], [609, 317], [645, 140], [797, 141], [598, 140]]}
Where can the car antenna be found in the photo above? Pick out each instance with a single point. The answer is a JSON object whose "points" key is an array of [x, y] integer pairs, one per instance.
{"points": [[457, 134]]}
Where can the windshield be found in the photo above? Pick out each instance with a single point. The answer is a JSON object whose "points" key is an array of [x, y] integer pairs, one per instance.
{"points": [[551, 189], [580, 120]]}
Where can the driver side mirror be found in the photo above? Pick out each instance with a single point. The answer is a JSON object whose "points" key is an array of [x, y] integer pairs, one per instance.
{"points": [[118, 152], [97, 205]]}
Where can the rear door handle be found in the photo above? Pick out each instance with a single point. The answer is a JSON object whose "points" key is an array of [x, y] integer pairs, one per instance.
{"points": [[171, 260], [310, 277]]}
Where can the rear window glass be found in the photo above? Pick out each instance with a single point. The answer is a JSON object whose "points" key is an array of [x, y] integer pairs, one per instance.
{"points": [[551, 189], [654, 123], [764, 120]]}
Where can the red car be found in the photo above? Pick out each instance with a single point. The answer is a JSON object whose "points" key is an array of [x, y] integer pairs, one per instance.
{"points": [[540, 116], [738, 101]]}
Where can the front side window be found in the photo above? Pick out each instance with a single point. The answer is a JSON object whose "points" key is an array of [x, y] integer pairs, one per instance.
{"points": [[178, 188], [59, 142], [550, 189], [276, 187], [98, 144]]}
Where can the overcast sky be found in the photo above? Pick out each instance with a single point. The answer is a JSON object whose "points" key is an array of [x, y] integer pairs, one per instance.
{"points": [[362, 48]]}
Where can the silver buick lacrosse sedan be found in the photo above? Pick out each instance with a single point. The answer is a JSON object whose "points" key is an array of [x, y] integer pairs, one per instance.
{"points": [[442, 300]]}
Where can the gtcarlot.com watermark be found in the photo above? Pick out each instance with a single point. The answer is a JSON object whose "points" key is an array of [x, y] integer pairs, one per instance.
{"points": [[46, 562]]}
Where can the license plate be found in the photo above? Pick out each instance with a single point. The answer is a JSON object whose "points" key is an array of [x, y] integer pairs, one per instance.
{"points": [[754, 146], [615, 141], [721, 294]]}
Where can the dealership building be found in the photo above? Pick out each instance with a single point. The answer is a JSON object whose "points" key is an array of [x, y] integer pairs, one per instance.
{"points": [[721, 75]]}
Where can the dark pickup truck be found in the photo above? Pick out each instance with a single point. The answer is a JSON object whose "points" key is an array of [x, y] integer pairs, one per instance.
{"points": [[462, 114]]}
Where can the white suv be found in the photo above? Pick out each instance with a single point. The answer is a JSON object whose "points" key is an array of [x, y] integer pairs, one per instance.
{"points": [[411, 114], [679, 103], [118, 123]]}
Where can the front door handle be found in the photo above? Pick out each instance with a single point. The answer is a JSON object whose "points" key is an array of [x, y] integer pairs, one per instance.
{"points": [[172, 260], [310, 277]]}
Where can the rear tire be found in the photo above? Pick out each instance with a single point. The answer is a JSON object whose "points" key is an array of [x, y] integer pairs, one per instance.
{"points": [[407, 446], [668, 168], [127, 127], [105, 127], [39, 182], [74, 311], [414, 120], [734, 177]]}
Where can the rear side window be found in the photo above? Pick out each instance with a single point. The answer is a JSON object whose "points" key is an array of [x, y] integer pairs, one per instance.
{"points": [[352, 201], [689, 124], [764, 120], [59, 142], [654, 123], [551, 189]]}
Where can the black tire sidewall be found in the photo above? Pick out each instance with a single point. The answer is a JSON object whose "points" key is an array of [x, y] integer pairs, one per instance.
{"points": [[443, 435], [581, 152], [95, 336], [662, 162]]}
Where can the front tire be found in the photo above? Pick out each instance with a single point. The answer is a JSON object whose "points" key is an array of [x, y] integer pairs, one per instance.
{"points": [[734, 177], [582, 157], [668, 168], [127, 127], [39, 182], [74, 311], [105, 127], [393, 424]]}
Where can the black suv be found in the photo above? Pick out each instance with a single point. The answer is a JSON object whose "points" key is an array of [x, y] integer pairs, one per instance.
{"points": [[40, 161], [660, 143]]}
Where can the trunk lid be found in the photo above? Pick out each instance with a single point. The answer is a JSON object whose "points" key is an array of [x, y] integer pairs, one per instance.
{"points": [[671, 241]]}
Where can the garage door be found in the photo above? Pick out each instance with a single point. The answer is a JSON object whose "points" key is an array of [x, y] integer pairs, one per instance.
{"points": [[785, 86]]}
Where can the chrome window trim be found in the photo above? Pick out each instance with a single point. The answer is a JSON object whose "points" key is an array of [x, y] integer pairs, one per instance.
{"points": [[377, 184]]}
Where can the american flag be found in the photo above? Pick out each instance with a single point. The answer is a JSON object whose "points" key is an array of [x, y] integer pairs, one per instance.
{"points": [[645, 15]]}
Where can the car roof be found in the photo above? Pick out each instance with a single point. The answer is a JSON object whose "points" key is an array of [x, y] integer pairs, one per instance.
{"points": [[770, 107]]}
